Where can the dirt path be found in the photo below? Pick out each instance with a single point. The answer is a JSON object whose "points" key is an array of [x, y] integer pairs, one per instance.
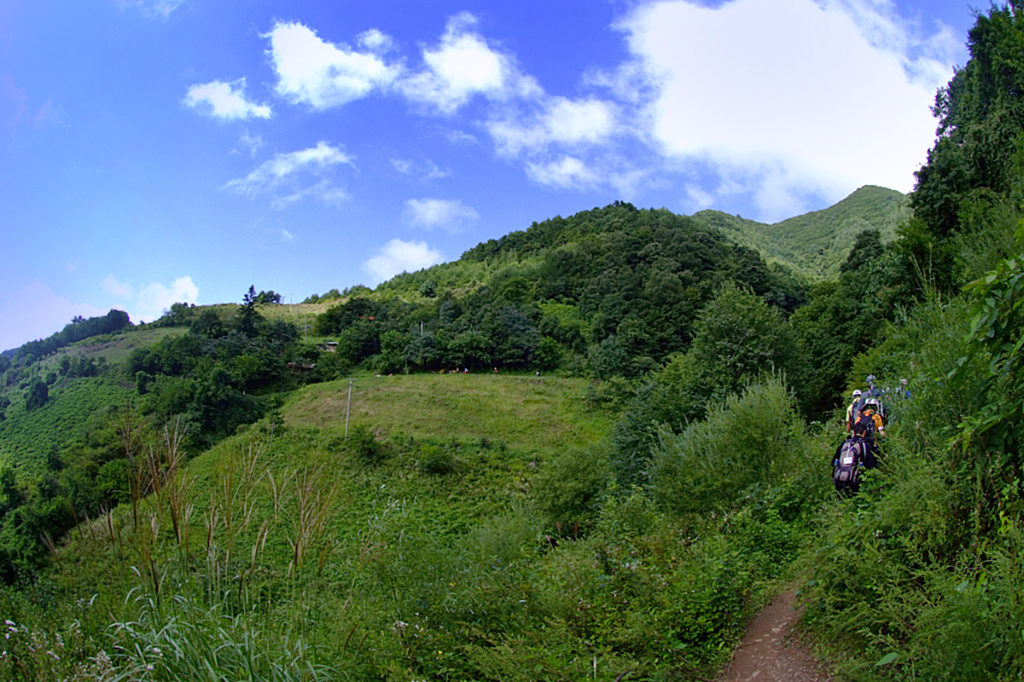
{"points": [[771, 650]]}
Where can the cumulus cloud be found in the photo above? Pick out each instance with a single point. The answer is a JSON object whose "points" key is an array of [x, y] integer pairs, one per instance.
{"points": [[836, 95], [116, 287], [225, 101], [322, 74], [464, 65], [451, 215], [154, 299], [398, 256], [288, 170], [558, 121], [149, 301], [568, 173], [34, 311]]}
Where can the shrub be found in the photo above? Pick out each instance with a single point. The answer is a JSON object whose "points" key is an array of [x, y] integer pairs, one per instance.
{"points": [[570, 487], [367, 446], [435, 459], [752, 438]]}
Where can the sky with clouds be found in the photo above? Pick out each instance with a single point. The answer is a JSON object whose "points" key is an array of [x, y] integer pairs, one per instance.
{"points": [[156, 151]]}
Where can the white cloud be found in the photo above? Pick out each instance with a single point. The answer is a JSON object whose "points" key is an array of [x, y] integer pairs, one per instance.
{"points": [[224, 101], [560, 121], [323, 75], [698, 199], [116, 287], [435, 172], [835, 95], [252, 143], [153, 8], [464, 65], [375, 41], [34, 312], [286, 169], [323, 191], [427, 170], [150, 301], [287, 237], [399, 256], [567, 173], [153, 299], [451, 215]]}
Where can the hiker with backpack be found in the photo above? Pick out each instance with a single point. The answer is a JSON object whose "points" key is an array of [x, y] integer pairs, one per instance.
{"points": [[858, 452], [854, 455]]}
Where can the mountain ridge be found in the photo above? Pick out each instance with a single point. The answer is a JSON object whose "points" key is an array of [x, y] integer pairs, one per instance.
{"points": [[816, 243]]}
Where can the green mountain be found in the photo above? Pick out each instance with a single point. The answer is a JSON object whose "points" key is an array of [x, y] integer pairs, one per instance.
{"points": [[816, 244]]}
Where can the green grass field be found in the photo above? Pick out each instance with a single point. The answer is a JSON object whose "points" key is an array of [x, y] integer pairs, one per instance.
{"points": [[524, 412]]}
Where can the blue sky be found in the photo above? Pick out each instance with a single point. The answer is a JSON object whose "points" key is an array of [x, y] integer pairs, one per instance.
{"points": [[154, 151]]}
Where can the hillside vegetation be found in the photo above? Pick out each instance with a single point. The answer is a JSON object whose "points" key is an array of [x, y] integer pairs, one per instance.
{"points": [[817, 243], [591, 449]]}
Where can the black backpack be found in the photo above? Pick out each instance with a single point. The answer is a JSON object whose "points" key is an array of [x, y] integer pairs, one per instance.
{"points": [[846, 468], [864, 426]]}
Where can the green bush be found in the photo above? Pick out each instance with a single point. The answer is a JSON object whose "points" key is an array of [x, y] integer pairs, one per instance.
{"points": [[435, 459], [367, 447], [570, 487], [755, 438]]}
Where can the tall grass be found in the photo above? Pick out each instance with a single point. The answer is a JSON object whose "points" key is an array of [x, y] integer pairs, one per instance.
{"points": [[182, 640]]}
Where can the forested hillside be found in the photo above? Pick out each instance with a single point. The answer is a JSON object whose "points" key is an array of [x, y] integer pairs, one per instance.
{"points": [[817, 243], [589, 449]]}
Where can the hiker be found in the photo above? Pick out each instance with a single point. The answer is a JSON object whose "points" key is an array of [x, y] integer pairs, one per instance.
{"points": [[868, 427], [852, 412], [856, 454], [874, 409]]}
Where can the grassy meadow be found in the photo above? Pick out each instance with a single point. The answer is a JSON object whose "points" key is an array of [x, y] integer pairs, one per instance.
{"points": [[425, 545]]}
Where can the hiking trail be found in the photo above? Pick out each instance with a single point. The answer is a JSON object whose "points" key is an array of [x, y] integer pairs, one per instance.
{"points": [[771, 650]]}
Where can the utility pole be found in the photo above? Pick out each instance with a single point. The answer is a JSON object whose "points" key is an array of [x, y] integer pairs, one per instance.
{"points": [[348, 406]]}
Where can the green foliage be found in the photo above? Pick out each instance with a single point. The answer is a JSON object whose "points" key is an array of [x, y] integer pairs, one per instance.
{"points": [[37, 394], [846, 318], [248, 318], [998, 316], [366, 445], [570, 488], [182, 640], [436, 460], [816, 244], [77, 330], [738, 337], [753, 438]]}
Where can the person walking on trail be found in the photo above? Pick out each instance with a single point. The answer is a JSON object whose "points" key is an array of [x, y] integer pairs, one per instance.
{"points": [[873, 409], [853, 410], [856, 454], [869, 427]]}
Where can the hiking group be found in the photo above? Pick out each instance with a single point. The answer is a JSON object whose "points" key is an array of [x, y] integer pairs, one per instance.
{"points": [[865, 424]]}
